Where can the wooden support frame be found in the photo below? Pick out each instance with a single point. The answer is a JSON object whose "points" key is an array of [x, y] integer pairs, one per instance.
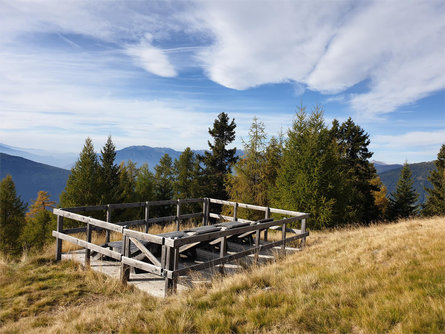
{"points": [[172, 245]]}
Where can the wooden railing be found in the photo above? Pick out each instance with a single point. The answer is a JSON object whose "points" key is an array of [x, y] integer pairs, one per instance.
{"points": [[171, 245]]}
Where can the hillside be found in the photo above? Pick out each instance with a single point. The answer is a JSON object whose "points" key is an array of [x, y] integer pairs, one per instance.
{"points": [[377, 279], [30, 177], [420, 173]]}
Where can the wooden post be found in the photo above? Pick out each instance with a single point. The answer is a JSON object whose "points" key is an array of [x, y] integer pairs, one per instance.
{"points": [[267, 216], [257, 245], [172, 260], [303, 230], [222, 253], [178, 213], [107, 232], [205, 211], [283, 237], [235, 211], [125, 269], [147, 215], [59, 241], [87, 250]]}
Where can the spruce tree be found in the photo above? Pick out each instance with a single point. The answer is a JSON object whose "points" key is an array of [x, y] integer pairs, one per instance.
{"points": [[219, 160], [164, 184], [12, 217], [144, 184], [353, 145], [109, 174], [83, 185], [380, 196], [247, 184], [310, 175], [184, 174], [402, 203], [39, 222], [435, 201]]}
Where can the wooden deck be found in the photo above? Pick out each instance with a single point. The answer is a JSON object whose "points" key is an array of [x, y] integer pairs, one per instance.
{"points": [[174, 255]]}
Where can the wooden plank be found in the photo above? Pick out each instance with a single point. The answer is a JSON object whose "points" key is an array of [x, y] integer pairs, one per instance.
{"points": [[234, 231], [192, 200], [235, 212], [131, 222], [144, 236], [182, 249], [92, 221], [84, 244], [127, 205], [146, 252], [228, 218], [228, 258], [162, 219], [290, 213], [142, 265], [165, 202], [147, 216], [85, 208], [252, 207], [178, 213]]}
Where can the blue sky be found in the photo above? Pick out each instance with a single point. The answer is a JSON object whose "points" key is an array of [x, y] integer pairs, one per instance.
{"points": [[158, 73]]}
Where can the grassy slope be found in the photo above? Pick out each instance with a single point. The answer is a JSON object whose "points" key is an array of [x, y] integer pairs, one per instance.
{"points": [[385, 278]]}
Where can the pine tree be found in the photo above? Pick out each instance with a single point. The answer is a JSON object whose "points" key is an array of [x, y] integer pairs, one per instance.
{"points": [[184, 173], [109, 174], [127, 181], [164, 184], [353, 145], [402, 203], [218, 162], [144, 184], [83, 186], [39, 222], [310, 176], [12, 217], [435, 201]]}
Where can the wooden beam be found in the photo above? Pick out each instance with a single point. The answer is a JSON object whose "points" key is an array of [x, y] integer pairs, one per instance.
{"points": [[87, 250], [146, 252], [89, 220], [84, 244], [142, 265], [144, 236]]}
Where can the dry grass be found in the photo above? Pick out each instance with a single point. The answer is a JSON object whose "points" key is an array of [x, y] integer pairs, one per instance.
{"points": [[378, 279]]}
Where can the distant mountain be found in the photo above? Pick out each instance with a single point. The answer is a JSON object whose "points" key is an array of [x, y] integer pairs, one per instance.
{"points": [[30, 177], [420, 172], [62, 160], [145, 154], [383, 167]]}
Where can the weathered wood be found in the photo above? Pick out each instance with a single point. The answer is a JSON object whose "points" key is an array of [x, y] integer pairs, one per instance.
{"points": [[218, 234], [184, 248], [84, 244], [107, 232], [169, 267], [146, 252], [136, 222], [86, 208], [228, 258], [303, 229], [228, 218], [283, 236], [89, 220], [178, 213], [59, 240], [125, 268], [266, 216], [222, 253], [142, 265], [235, 212], [127, 205], [257, 244], [289, 213], [144, 236], [147, 216], [87, 250]]}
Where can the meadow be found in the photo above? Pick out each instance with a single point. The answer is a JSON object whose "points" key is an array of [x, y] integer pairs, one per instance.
{"points": [[385, 278]]}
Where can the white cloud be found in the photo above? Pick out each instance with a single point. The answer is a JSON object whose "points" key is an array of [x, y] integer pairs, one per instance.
{"points": [[331, 46], [151, 59], [411, 139]]}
